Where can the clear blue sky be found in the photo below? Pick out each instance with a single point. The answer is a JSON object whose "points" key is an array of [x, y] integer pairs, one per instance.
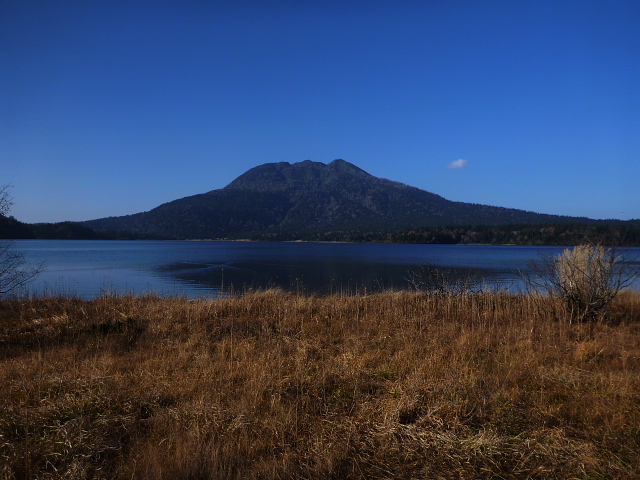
{"points": [[114, 107]]}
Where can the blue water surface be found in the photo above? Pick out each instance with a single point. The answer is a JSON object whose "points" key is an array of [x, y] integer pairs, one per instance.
{"points": [[206, 268]]}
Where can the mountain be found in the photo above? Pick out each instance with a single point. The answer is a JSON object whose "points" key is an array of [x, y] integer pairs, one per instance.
{"points": [[311, 200]]}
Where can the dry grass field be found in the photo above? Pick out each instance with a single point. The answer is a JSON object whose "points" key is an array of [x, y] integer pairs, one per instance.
{"points": [[272, 385]]}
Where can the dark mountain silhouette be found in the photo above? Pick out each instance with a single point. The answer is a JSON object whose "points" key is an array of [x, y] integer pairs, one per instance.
{"points": [[311, 200]]}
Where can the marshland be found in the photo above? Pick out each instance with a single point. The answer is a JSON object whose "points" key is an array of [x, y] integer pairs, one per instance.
{"points": [[279, 385]]}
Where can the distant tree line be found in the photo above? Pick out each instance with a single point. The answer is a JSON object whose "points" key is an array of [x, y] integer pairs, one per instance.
{"points": [[616, 233], [10, 228], [619, 234]]}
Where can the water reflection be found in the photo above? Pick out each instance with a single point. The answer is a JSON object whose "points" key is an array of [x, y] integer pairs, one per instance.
{"points": [[315, 276]]}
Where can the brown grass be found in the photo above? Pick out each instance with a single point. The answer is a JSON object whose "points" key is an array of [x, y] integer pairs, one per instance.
{"points": [[279, 386]]}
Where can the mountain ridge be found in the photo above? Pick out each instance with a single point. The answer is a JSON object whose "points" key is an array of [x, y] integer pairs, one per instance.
{"points": [[307, 198]]}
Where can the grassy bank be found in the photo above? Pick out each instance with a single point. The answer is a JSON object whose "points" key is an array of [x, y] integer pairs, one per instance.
{"points": [[279, 386]]}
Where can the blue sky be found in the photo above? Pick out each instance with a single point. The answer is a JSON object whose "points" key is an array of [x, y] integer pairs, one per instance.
{"points": [[114, 107]]}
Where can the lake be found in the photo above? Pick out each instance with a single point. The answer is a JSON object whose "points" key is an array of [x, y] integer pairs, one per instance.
{"points": [[205, 268]]}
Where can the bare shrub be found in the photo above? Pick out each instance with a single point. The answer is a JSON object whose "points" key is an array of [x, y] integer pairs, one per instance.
{"points": [[14, 271], [434, 280], [584, 280]]}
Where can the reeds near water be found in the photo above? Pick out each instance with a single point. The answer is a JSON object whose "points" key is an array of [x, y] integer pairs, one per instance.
{"points": [[273, 385]]}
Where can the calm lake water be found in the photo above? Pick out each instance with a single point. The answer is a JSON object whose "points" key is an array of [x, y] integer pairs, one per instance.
{"points": [[91, 268]]}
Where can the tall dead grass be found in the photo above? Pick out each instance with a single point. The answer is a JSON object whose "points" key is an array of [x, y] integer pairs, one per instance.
{"points": [[273, 385]]}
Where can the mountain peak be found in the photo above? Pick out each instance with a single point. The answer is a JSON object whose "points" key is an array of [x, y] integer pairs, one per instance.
{"points": [[343, 166], [300, 176]]}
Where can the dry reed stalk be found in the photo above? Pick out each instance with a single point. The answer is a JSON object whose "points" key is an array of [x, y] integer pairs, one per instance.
{"points": [[278, 385]]}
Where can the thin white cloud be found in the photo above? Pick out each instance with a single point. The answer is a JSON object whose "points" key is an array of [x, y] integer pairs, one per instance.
{"points": [[458, 163]]}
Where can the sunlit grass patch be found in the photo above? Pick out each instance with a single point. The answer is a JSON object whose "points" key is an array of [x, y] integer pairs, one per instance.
{"points": [[279, 385]]}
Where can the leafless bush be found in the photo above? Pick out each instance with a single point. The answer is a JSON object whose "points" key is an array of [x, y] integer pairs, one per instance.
{"points": [[434, 280], [14, 270], [584, 280]]}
